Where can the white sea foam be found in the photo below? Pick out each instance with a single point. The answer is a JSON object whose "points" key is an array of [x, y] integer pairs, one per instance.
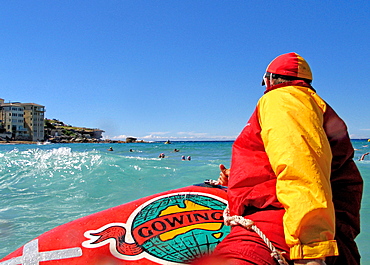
{"points": [[45, 186]]}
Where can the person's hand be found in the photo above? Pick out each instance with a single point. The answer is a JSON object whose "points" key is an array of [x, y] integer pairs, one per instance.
{"points": [[309, 262], [223, 179]]}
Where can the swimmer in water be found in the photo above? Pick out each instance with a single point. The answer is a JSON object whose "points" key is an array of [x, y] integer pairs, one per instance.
{"points": [[363, 156], [110, 149]]}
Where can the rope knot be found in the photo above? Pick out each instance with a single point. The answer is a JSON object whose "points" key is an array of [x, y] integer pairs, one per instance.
{"points": [[236, 220], [249, 224], [239, 220]]}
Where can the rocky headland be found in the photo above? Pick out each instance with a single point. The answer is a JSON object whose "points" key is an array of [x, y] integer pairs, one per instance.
{"points": [[58, 132]]}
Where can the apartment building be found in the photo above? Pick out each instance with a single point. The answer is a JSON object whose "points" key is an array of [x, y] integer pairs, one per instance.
{"points": [[34, 120], [22, 121]]}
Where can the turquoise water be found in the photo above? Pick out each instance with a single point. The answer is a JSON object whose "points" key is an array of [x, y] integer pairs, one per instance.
{"points": [[42, 187]]}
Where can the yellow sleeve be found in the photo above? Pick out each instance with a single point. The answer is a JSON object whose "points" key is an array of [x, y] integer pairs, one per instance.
{"points": [[291, 119]]}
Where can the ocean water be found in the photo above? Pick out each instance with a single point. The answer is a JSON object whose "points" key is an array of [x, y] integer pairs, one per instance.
{"points": [[42, 187]]}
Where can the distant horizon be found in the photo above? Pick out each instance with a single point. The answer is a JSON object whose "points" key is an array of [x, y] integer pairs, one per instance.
{"points": [[173, 139], [205, 140]]}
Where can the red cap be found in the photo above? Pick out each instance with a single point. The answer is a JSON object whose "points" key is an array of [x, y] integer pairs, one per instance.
{"points": [[290, 64]]}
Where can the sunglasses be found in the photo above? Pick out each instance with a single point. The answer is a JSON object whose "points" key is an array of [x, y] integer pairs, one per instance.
{"points": [[268, 76]]}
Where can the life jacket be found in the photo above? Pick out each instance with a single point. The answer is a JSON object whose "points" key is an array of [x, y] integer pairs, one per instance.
{"points": [[252, 182], [347, 188]]}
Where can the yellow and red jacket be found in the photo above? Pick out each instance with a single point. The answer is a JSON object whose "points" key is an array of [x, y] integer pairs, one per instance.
{"points": [[293, 150]]}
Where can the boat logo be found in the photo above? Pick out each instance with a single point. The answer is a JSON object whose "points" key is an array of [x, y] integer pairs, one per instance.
{"points": [[174, 228]]}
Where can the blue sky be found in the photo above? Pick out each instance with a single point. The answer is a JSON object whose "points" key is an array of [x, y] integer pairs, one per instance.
{"points": [[180, 70]]}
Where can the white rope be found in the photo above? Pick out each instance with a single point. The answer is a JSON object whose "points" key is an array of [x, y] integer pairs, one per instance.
{"points": [[249, 224]]}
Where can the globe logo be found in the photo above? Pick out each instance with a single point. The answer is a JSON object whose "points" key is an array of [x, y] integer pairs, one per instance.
{"points": [[171, 229]]}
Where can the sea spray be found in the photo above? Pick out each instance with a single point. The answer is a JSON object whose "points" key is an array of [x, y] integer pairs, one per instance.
{"points": [[42, 187]]}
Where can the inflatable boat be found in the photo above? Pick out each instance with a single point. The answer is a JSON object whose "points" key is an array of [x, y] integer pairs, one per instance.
{"points": [[172, 227]]}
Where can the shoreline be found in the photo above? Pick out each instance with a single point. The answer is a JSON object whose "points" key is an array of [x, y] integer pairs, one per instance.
{"points": [[17, 142]]}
